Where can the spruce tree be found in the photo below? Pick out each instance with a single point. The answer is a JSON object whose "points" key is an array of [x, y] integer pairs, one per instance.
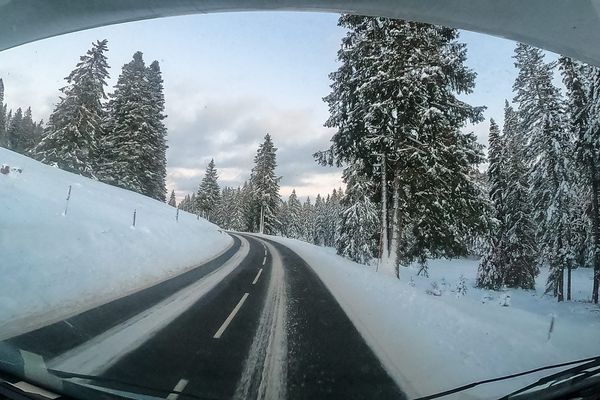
{"points": [[208, 195], [549, 149], [308, 221], [71, 140], [394, 103], [14, 130], [320, 223], [294, 216], [172, 200], [520, 250], [359, 218], [490, 271], [265, 188], [589, 150], [157, 185], [134, 154]]}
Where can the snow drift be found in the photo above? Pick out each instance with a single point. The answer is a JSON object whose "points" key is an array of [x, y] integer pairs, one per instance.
{"points": [[53, 265], [434, 342]]}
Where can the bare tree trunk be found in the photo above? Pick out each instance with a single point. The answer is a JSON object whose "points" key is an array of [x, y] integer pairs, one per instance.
{"points": [[569, 268], [595, 229], [395, 228], [560, 282], [261, 227]]}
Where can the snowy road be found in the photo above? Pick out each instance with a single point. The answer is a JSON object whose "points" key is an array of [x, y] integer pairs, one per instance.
{"points": [[256, 322]]}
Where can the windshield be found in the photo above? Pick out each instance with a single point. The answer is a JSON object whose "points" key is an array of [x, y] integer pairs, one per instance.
{"points": [[296, 205]]}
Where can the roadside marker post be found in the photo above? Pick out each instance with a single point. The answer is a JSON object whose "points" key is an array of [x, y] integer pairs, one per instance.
{"points": [[67, 203]]}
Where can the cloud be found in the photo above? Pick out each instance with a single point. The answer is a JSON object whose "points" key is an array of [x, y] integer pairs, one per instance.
{"points": [[204, 125]]}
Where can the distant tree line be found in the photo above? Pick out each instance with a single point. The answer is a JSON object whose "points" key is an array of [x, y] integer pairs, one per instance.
{"points": [[18, 131]]}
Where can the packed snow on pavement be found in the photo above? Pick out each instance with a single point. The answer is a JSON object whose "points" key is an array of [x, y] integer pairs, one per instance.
{"points": [[432, 338], [55, 264]]}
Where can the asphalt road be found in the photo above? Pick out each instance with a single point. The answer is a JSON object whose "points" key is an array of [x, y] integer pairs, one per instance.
{"points": [[256, 322]]}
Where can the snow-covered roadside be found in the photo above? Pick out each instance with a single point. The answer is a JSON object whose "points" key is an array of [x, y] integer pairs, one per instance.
{"points": [[52, 264], [432, 343]]}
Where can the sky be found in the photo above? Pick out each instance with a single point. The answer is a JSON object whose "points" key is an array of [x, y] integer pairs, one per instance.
{"points": [[231, 78]]}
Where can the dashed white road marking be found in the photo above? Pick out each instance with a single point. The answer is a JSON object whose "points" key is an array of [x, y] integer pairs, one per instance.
{"points": [[265, 260], [178, 388], [231, 317], [257, 276], [265, 252]]}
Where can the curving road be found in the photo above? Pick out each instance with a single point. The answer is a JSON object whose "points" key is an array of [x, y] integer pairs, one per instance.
{"points": [[253, 323]]}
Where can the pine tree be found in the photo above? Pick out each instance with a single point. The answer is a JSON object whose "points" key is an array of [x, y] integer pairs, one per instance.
{"points": [[520, 249], [265, 187], [320, 221], [134, 155], [157, 185], [247, 206], [359, 218], [237, 218], [294, 216], [580, 235], [71, 140], [172, 200], [308, 221], [550, 148], [27, 134], [588, 142], [208, 193], [394, 103], [494, 263], [3, 138], [13, 132]]}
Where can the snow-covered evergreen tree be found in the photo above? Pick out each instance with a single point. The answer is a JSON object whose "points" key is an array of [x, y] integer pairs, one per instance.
{"points": [[13, 132], [320, 215], [71, 140], [574, 76], [294, 216], [308, 221], [588, 143], [549, 150], [172, 200], [209, 193], [394, 102], [359, 219], [157, 185], [520, 249], [495, 261], [265, 187], [134, 154]]}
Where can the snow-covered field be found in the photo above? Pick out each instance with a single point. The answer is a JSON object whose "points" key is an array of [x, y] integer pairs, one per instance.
{"points": [[52, 264], [432, 343]]}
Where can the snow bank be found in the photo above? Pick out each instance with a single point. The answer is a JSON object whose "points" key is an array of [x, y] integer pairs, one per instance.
{"points": [[53, 265], [432, 343]]}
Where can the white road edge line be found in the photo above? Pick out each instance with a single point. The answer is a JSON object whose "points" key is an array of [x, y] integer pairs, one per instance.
{"points": [[178, 388], [257, 276], [231, 316], [265, 260]]}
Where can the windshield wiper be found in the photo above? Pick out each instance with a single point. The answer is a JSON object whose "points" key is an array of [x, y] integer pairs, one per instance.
{"points": [[587, 363], [577, 380]]}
